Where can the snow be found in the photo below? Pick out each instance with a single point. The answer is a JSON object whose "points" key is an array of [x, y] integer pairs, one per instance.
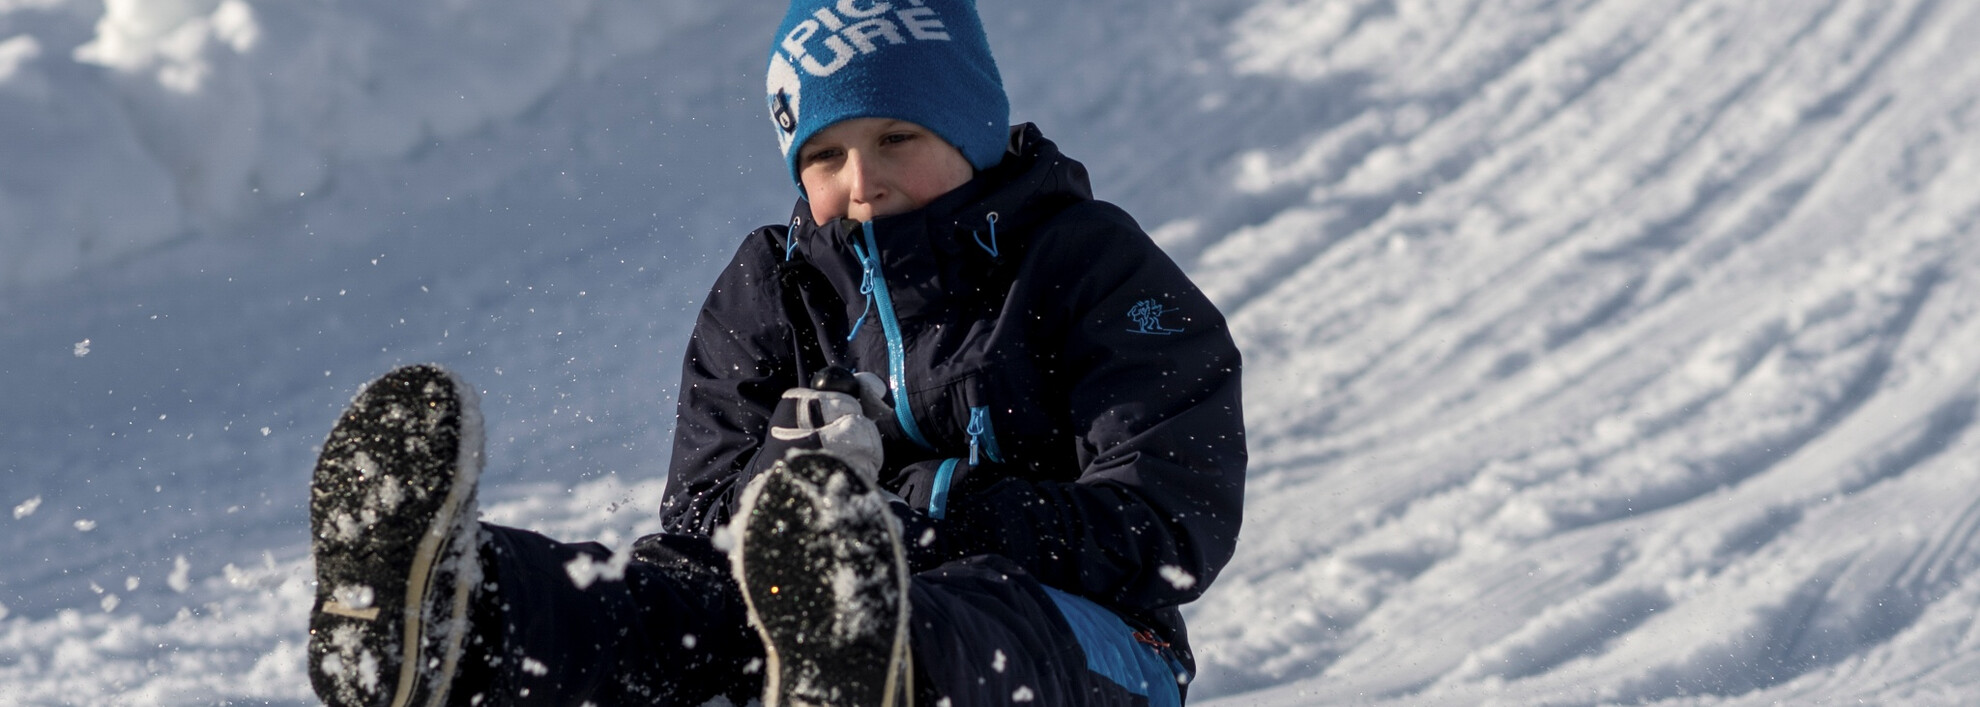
{"points": [[584, 570], [1596, 352]]}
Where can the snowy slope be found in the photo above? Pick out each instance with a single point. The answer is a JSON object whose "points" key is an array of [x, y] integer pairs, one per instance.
{"points": [[1597, 351]]}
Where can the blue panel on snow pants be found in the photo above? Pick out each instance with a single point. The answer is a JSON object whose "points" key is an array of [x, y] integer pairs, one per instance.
{"points": [[1113, 649], [986, 633]]}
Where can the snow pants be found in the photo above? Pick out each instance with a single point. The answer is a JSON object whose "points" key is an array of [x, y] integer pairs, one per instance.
{"points": [[563, 625]]}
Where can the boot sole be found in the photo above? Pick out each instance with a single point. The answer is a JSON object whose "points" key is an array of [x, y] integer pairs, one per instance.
{"points": [[393, 535], [832, 637]]}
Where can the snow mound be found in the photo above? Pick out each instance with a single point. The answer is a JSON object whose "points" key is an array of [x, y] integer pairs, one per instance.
{"points": [[156, 120]]}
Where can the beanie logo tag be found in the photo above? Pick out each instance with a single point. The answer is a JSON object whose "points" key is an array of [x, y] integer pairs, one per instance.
{"points": [[786, 91], [780, 110]]}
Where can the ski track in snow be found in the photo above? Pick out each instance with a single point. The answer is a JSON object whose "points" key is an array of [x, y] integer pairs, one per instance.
{"points": [[1597, 351]]}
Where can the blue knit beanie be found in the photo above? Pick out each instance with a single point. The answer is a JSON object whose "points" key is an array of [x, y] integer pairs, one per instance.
{"points": [[922, 61]]}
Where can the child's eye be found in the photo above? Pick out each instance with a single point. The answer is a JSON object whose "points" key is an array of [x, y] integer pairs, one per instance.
{"points": [[896, 138], [815, 156]]}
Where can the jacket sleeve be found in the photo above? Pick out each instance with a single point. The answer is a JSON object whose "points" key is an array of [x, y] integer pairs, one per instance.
{"points": [[1155, 403], [738, 362]]}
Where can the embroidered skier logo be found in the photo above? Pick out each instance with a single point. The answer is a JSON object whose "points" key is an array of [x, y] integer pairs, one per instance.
{"points": [[1147, 316]]}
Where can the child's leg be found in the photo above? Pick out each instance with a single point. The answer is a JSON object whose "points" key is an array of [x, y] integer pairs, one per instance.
{"points": [[670, 630], [420, 604], [986, 633]]}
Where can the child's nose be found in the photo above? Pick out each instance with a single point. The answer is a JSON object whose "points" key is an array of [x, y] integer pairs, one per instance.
{"points": [[865, 177]]}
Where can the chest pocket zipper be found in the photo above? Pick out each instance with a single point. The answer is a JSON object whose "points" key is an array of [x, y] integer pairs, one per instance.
{"points": [[982, 444]]}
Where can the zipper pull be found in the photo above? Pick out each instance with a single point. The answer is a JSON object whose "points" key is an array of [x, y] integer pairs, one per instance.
{"points": [[975, 430]]}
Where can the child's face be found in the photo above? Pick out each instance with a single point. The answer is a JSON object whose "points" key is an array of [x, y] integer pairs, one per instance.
{"points": [[865, 168]]}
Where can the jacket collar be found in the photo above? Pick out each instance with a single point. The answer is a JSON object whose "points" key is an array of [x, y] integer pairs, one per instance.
{"points": [[920, 250], [1033, 174]]}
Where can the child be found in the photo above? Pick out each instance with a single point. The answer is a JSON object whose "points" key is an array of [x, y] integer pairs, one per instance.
{"points": [[1039, 459]]}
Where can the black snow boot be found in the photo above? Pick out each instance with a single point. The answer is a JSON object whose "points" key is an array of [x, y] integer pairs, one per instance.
{"points": [[822, 569], [394, 537]]}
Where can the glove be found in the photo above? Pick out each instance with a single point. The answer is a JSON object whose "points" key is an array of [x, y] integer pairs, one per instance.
{"points": [[875, 400], [811, 419], [872, 391]]}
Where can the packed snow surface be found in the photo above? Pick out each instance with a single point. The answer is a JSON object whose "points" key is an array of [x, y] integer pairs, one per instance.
{"points": [[1596, 352]]}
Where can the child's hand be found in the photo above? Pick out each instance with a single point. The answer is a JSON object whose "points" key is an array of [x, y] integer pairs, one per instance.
{"points": [[809, 419], [867, 386], [874, 398]]}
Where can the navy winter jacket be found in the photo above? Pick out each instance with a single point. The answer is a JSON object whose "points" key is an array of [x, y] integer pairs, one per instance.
{"points": [[1065, 397]]}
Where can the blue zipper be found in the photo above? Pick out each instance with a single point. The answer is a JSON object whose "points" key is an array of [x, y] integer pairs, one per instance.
{"points": [[896, 347]]}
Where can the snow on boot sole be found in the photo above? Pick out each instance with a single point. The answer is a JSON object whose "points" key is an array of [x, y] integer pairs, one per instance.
{"points": [[394, 538], [824, 574]]}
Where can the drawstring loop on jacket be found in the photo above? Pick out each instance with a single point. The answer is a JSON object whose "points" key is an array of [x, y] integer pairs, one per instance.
{"points": [[791, 236], [990, 247]]}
